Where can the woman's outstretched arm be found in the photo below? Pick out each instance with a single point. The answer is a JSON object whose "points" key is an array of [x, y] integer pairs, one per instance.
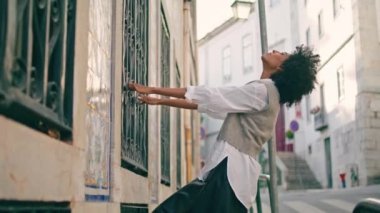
{"points": [[179, 103], [172, 92]]}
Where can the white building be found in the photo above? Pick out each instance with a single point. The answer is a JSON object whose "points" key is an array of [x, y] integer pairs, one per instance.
{"points": [[342, 137], [226, 58], [231, 53]]}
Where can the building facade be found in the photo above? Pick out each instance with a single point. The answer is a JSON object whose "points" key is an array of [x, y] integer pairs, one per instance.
{"points": [[338, 122], [336, 127], [230, 55], [74, 137]]}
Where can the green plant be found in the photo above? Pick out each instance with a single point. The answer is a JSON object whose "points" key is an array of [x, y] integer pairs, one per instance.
{"points": [[289, 134]]}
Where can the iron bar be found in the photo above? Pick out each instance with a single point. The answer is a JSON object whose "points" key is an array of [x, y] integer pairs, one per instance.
{"points": [[165, 110], [135, 115], [32, 58]]}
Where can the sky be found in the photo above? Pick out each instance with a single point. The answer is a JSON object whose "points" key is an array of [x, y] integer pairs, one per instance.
{"points": [[211, 14]]}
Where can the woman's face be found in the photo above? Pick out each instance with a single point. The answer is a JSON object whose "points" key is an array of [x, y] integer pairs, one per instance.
{"points": [[273, 60]]}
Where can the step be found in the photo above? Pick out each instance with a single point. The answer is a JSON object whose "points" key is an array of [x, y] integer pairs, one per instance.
{"points": [[299, 175]]}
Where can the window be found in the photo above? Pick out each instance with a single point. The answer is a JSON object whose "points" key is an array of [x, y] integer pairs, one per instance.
{"points": [[322, 97], [320, 24], [273, 3], [36, 75], [308, 42], [247, 54], [165, 110], [226, 64], [340, 82], [336, 7], [134, 152]]}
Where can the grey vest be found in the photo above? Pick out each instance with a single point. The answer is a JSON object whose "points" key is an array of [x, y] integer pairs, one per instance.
{"points": [[249, 131]]}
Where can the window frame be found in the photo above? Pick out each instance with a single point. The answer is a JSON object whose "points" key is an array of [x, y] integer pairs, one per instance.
{"points": [[165, 110], [340, 83], [321, 30], [247, 47], [226, 68], [134, 115]]}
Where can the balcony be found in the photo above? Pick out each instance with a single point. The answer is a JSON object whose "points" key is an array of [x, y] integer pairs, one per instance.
{"points": [[320, 120]]}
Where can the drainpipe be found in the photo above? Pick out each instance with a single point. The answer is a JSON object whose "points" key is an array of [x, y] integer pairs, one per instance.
{"points": [[187, 78]]}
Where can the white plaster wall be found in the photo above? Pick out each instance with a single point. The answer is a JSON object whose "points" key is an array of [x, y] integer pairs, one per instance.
{"points": [[95, 207], [341, 113], [378, 19], [37, 167], [210, 52], [279, 26], [210, 62]]}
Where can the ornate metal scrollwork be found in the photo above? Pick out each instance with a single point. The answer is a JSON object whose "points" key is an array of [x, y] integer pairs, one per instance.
{"points": [[37, 61], [165, 110], [135, 138]]}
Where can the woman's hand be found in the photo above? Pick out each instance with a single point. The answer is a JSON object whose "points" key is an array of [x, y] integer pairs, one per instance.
{"points": [[179, 103], [140, 88], [148, 100]]}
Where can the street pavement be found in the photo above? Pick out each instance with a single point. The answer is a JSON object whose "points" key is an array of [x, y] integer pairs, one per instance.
{"points": [[321, 201]]}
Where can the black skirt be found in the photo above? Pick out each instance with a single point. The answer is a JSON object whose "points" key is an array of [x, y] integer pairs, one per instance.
{"points": [[212, 195]]}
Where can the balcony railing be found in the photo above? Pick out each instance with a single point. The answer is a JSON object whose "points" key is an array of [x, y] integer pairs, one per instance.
{"points": [[36, 63], [320, 120], [135, 116], [165, 110]]}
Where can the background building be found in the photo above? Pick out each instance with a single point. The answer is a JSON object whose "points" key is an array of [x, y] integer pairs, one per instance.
{"points": [[230, 55], [226, 58], [73, 137], [339, 123], [336, 127]]}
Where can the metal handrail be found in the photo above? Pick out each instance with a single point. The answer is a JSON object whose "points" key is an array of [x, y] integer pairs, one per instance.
{"points": [[266, 178], [368, 205]]}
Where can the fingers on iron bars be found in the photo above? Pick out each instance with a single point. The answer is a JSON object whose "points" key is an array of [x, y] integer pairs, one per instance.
{"points": [[140, 99], [131, 85]]}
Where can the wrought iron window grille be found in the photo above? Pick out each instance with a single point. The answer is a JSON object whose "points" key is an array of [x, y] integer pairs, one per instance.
{"points": [[36, 64], [134, 208], [134, 153], [165, 110], [179, 128], [30, 206]]}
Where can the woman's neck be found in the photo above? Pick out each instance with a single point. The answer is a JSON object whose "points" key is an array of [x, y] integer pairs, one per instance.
{"points": [[265, 74]]}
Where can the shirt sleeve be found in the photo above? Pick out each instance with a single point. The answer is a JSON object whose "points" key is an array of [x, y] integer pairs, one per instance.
{"points": [[218, 102]]}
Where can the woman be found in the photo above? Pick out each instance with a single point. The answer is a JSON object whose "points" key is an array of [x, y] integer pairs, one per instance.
{"points": [[228, 181]]}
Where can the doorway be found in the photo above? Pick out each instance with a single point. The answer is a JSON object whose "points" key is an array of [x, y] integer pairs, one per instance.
{"points": [[328, 162]]}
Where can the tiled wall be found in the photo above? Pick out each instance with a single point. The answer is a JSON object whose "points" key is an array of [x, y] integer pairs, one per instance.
{"points": [[98, 101]]}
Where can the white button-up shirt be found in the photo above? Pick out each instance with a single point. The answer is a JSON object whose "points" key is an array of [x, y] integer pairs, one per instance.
{"points": [[242, 170]]}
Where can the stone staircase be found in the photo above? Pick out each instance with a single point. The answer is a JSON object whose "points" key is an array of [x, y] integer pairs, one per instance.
{"points": [[298, 175]]}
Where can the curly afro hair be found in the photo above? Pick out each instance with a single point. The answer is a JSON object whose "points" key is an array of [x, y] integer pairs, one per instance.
{"points": [[297, 75]]}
